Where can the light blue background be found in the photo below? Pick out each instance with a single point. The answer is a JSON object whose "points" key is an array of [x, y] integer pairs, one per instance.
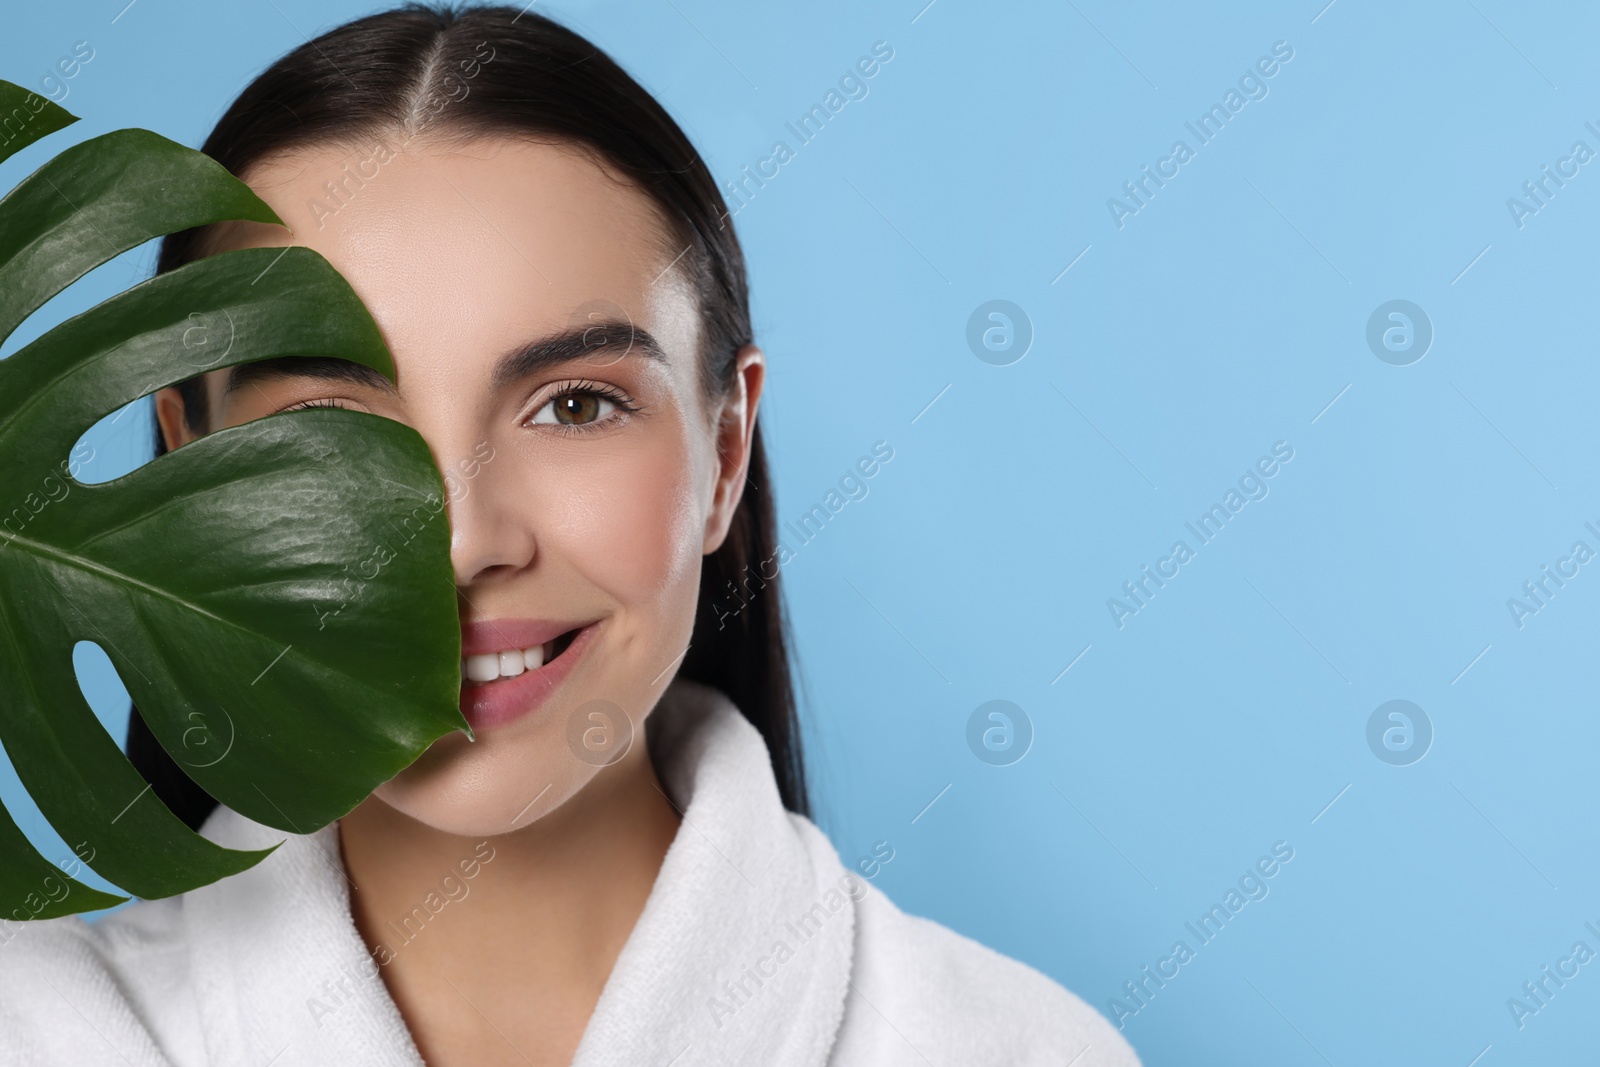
{"points": [[1223, 317]]}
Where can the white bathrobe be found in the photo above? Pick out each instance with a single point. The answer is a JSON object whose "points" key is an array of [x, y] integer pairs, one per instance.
{"points": [[267, 967]]}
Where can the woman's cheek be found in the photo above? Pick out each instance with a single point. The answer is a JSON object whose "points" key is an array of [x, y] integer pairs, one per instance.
{"points": [[633, 527]]}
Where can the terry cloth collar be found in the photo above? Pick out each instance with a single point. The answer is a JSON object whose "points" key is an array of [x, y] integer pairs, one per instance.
{"points": [[742, 954]]}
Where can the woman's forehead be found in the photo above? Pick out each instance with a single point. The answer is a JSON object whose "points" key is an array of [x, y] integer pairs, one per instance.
{"points": [[476, 246]]}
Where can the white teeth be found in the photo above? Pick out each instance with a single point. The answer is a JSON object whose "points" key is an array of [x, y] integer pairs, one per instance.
{"points": [[483, 668], [509, 664]]}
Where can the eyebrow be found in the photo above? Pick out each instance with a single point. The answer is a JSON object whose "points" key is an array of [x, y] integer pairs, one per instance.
{"points": [[513, 366]]}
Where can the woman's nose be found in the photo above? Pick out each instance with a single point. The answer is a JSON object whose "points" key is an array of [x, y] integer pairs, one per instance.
{"points": [[490, 535]]}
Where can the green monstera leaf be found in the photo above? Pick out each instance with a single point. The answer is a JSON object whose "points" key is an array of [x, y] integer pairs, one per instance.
{"points": [[277, 596]]}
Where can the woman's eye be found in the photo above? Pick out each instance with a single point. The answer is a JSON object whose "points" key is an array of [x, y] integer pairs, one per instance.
{"points": [[575, 408], [325, 402]]}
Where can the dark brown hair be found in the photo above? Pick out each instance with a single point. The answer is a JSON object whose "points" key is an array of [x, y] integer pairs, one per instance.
{"points": [[421, 68]]}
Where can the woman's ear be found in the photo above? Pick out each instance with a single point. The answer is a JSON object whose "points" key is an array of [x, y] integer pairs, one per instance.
{"points": [[170, 417], [735, 429]]}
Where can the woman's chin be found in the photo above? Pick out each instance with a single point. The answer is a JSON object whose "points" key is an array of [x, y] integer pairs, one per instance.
{"points": [[479, 788]]}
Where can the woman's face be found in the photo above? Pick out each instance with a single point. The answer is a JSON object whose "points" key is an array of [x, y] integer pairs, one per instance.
{"points": [[585, 481]]}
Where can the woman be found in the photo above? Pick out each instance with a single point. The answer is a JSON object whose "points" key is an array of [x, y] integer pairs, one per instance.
{"points": [[619, 869]]}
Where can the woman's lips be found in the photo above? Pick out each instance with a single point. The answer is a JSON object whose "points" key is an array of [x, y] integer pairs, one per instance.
{"points": [[506, 700]]}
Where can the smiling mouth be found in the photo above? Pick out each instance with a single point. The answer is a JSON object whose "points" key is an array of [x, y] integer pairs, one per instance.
{"points": [[495, 666]]}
